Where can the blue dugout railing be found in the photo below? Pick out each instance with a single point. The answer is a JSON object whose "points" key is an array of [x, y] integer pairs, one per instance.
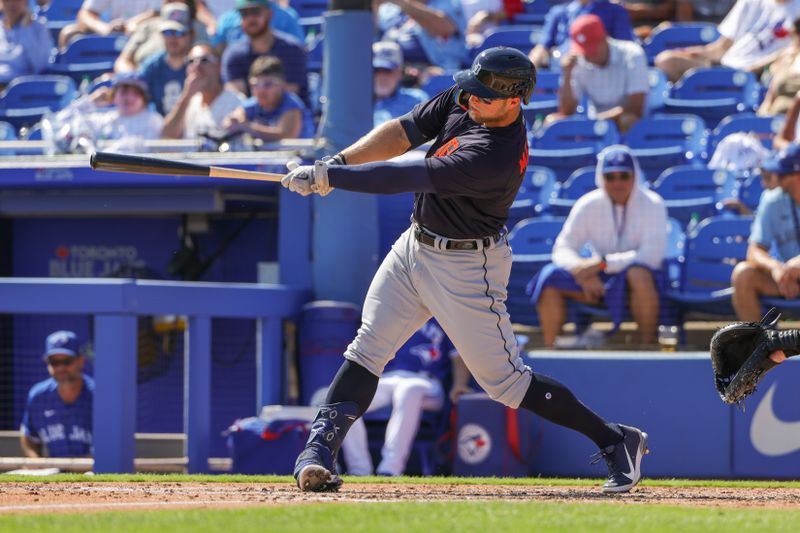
{"points": [[116, 304]]}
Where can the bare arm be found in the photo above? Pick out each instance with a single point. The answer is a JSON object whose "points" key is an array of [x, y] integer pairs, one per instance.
{"points": [[567, 103], [461, 377], [433, 21], [175, 121], [760, 258], [384, 142], [288, 127], [206, 17], [30, 448], [90, 20], [786, 136], [124, 63], [634, 103]]}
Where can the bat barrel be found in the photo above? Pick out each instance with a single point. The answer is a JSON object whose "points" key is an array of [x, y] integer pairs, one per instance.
{"points": [[136, 164]]}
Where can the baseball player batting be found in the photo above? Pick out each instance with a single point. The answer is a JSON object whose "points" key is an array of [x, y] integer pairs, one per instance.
{"points": [[453, 263]]}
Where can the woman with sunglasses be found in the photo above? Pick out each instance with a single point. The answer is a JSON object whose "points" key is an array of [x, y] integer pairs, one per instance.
{"points": [[58, 412], [625, 225]]}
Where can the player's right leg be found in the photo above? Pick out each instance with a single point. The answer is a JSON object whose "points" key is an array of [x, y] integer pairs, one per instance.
{"points": [[392, 313]]}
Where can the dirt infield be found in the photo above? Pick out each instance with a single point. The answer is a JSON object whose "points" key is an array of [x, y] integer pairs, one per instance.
{"points": [[85, 497]]}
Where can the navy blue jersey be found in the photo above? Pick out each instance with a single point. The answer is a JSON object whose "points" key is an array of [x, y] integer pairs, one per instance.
{"points": [[476, 171], [428, 350], [64, 429]]}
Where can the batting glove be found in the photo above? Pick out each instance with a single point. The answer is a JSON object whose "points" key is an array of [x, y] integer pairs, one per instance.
{"points": [[299, 178]]}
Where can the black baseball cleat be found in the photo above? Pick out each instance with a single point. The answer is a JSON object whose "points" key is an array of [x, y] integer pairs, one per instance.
{"points": [[315, 470], [624, 460]]}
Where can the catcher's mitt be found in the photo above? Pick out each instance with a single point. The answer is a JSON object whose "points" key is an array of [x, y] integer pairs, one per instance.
{"points": [[740, 355]]}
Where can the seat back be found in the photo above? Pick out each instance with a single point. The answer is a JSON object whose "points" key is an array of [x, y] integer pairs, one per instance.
{"points": [[713, 249], [535, 236], [764, 127], [27, 92], [659, 90], [717, 83], [678, 36], [91, 49], [544, 99], [309, 8], [663, 131], [687, 182], [438, 83], [579, 183], [61, 10], [576, 132], [749, 190], [515, 36]]}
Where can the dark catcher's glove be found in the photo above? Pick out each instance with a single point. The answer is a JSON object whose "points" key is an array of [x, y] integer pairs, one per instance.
{"points": [[740, 354]]}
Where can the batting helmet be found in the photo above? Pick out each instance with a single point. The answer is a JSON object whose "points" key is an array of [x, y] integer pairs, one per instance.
{"points": [[499, 72]]}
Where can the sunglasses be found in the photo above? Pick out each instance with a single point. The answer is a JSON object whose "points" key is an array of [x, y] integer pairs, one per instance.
{"points": [[617, 176], [173, 33], [201, 60], [55, 363], [262, 84]]}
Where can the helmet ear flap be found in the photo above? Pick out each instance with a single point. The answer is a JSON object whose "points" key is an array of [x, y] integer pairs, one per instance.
{"points": [[462, 99]]}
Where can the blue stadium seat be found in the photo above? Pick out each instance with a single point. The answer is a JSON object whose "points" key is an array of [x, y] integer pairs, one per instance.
{"points": [[713, 93], [438, 83], [765, 127], [519, 37], [534, 12], [749, 190], [534, 195], [532, 241], [659, 90], [59, 13], [664, 141], [693, 192], [571, 143], [713, 248], [7, 133], [27, 98], [544, 99], [309, 8], [678, 36], [88, 56], [579, 183]]}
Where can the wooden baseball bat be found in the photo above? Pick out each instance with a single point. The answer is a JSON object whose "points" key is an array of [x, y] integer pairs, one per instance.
{"points": [[151, 165]]}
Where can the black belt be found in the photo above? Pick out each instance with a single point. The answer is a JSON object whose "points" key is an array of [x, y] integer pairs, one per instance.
{"points": [[429, 239]]}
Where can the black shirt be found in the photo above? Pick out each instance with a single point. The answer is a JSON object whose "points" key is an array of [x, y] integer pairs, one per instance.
{"points": [[476, 171]]}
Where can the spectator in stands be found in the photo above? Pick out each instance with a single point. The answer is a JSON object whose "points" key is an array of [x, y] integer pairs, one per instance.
{"points": [[261, 40], [124, 17], [742, 153], [150, 38], [751, 37], [610, 72], [559, 20], [703, 10], [272, 113], [784, 78], [224, 24], [483, 15], [777, 227], [165, 71], [204, 102], [391, 100], [25, 42], [57, 421], [647, 14], [429, 32], [130, 121], [624, 224], [412, 382]]}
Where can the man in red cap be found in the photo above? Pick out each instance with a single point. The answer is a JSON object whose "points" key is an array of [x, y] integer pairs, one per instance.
{"points": [[612, 74]]}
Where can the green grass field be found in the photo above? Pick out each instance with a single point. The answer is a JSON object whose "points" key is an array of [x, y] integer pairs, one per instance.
{"points": [[452, 517]]}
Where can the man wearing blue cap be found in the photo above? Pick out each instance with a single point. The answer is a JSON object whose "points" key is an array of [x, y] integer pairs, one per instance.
{"points": [[625, 224], [391, 99], [776, 225], [58, 413]]}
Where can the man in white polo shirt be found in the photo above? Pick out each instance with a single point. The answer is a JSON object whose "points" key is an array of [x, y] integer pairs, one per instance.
{"points": [[612, 74]]}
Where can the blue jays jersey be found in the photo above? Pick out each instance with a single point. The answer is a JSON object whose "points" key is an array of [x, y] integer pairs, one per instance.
{"points": [[65, 429], [428, 350]]}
